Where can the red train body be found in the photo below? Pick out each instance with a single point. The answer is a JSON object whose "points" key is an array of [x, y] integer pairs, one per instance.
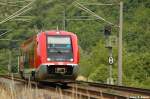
{"points": [[50, 55]]}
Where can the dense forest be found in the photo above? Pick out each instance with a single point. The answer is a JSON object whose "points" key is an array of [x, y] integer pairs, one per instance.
{"points": [[43, 15]]}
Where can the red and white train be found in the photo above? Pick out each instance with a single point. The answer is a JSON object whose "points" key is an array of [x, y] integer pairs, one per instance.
{"points": [[50, 55]]}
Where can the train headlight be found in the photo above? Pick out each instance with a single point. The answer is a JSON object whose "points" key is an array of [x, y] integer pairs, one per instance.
{"points": [[71, 59], [48, 59]]}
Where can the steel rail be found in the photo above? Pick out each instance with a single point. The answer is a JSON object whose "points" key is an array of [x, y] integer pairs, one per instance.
{"points": [[133, 90], [81, 92], [86, 93], [11, 77]]}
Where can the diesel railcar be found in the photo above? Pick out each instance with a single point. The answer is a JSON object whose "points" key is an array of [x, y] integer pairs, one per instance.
{"points": [[50, 55]]}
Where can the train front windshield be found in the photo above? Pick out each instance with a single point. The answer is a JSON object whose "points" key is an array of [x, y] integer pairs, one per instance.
{"points": [[59, 48]]}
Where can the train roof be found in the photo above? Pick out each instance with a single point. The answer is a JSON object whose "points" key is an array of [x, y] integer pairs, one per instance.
{"points": [[51, 32], [57, 32]]}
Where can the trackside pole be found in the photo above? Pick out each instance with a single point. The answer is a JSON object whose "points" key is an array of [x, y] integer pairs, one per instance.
{"points": [[18, 65], [9, 64], [120, 45]]}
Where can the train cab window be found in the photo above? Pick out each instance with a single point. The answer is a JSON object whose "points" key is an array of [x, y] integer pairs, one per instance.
{"points": [[59, 48]]}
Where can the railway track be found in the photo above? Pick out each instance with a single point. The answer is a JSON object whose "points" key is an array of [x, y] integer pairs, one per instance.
{"points": [[113, 91], [90, 90]]}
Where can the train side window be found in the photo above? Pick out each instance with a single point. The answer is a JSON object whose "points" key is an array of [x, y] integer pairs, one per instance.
{"points": [[31, 55], [26, 60]]}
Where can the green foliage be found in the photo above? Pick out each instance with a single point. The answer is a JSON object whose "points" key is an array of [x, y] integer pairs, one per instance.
{"points": [[137, 67], [47, 15], [100, 74], [3, 61]]}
